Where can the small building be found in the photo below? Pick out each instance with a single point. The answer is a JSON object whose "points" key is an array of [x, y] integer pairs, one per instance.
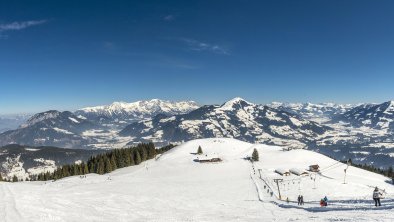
{"points": [[212, 160], [208, 159], [298, 172], [282, 172], [314, 168]]}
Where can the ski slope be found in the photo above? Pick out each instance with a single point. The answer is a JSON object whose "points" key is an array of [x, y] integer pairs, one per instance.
{"points": [[177, 188]]}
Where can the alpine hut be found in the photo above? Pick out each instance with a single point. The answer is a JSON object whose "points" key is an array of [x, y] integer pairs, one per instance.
{"points": [[314, 168], [298, 172], [282, 172]]}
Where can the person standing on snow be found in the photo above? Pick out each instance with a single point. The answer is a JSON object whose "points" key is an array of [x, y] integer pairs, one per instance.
{"points": [[322, 203], [376, 196], [299, 199], [302, 200]]}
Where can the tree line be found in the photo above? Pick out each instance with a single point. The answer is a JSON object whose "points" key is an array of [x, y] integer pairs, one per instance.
{"points": [[103, 163], [388, 172]]}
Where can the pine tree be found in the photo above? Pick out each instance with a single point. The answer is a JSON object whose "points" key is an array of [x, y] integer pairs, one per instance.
{"points": [[255, 155], [85, 169], [390, 172], [14, 179], [76, 169], [144, 154], [137, 157], [151, 150], [100, 168], [199, 150], [113, 161], [108, 166], [91, 166], [131, 156]]}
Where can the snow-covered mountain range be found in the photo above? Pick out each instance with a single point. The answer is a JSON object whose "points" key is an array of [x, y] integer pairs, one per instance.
{"points": [[377, 116], [51, 128], [319, 112], [88, 127], [361, 132], [236, 118], [121, 113]]}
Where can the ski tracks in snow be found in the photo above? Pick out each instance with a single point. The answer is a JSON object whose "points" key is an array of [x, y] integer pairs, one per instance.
{"points": [[261, 195], [9, 205]]}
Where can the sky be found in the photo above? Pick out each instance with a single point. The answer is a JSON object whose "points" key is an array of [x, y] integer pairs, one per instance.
{"points": [[70, 54]]}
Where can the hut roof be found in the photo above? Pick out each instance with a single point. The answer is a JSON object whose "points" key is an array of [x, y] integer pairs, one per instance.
{"points": [[282, 171], [297, 171]]}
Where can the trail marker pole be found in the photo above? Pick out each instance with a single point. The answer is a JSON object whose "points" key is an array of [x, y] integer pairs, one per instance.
{"points": [[344, 178], [277, 184], [260, 173], [314, 182]]}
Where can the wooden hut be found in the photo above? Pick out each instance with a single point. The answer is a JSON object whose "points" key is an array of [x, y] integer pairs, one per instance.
{"points": [[282, 172], [298, 172], [314, 168], [208, 159]]}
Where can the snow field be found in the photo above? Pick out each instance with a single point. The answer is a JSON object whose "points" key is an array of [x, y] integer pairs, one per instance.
{"points": [[176, 188]]}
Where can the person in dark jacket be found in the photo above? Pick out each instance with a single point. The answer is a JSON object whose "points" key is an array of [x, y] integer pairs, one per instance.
{"points": [[376, 196]]}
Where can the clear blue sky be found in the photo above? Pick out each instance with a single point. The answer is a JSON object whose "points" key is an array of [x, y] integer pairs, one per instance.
{"points": [[70, 54]]}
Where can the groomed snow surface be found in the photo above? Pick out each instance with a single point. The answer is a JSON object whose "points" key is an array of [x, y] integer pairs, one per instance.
{"points": [[175, 187]]}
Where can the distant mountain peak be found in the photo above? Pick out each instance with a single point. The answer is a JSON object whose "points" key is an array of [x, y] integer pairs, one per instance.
{"points": [[388, 107], [51, 114], [138, 110], [390, 103], [236, 102]]}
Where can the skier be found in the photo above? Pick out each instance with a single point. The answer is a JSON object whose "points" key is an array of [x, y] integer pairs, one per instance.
{"points": [[302, 200], [322, 204], [376, 196], [325, 201], [299, 199]]}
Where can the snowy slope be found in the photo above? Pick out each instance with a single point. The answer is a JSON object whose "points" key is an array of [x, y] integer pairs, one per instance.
{"points": [[176, 188], [24, 161]]}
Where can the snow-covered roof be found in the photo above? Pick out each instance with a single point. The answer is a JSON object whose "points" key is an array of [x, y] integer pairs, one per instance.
{"points": [[297, 171], [282, 171], [208, 156]]}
